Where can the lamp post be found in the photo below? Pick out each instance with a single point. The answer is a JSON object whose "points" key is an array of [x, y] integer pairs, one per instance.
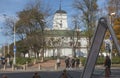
{"points": [[14, 48], [111, 14]]}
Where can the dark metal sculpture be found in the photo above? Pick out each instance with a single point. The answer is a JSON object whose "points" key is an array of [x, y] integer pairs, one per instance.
{"points": [[95, 47]]}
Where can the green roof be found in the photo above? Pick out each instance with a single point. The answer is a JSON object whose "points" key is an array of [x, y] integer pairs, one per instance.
{"points": [[55, 33]]}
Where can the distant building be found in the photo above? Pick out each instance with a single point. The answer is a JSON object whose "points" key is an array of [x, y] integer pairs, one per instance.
{"points": [[61, 41], [60, 20]]}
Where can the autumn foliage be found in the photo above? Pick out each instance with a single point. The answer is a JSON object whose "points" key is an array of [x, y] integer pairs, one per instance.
{"points": [[116, 27]]}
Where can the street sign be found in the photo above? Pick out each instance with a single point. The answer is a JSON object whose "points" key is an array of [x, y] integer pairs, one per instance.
{"points": [[14, 48]]}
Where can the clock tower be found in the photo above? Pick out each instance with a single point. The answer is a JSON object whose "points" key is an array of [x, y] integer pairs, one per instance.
{"points": [[60, 19]]}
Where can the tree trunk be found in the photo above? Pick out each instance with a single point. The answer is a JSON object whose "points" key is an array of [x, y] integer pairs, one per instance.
{"points": [[24, 55], [42, 56], [53, 53], [74, 52]]}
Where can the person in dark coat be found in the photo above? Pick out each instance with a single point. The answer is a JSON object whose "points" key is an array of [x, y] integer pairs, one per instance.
{"points": [[107, 65], [36, 75], [64, 74], [4, 76], [77, 62], [67, 62], [73, 62]]}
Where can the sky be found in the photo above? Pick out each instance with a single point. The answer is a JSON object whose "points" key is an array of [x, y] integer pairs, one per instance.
{"points": [[9, 8]]}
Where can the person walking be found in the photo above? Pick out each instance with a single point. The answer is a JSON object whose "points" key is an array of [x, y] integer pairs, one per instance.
{"points": [[73, 62], [65, 74], [36, 75], [77, 62], [4, 76], [107, 65], [67, 62], [58, 62]]}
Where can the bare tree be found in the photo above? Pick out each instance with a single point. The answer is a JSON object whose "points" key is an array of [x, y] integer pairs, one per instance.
{"points": [[88, 10], [31, 24], [76, 34], [114, 6]]}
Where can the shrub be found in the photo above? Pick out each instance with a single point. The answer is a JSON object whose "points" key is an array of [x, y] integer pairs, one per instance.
{"points": [[21, 61], [116, 60], [83, 60], [100, 60]]}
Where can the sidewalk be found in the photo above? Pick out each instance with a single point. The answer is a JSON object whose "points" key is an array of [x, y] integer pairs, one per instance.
{"points": [[49, 66], [45, 66]]}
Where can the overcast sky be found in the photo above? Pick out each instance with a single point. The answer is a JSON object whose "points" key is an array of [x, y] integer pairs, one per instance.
{"points": [[11, 7]]}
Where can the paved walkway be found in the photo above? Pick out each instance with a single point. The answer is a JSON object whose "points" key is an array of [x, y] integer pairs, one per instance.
{"points": [[44, 66], [50, 66]]}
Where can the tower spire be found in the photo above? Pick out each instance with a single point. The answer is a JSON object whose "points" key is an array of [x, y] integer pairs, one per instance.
{"points": [[60, 5]]}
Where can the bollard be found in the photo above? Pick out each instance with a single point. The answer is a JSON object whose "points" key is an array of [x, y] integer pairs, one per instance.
{"points": [[80, 64], [12, 67], [39, 67], [24, 67], [26, 64], [56, 67], [42, 59], [34, 61], [4, 67]]}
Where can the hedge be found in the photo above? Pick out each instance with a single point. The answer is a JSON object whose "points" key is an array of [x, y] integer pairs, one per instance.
{"points": [[100, 60]]}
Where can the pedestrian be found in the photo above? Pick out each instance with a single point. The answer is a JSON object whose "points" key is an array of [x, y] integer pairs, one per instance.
{"points": [[64, 74], [4, 76], [58, 62], [77, 62], [36, 75], [107, 65], [72, 62], [67, 62]]}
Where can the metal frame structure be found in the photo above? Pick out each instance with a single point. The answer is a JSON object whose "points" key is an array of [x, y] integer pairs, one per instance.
{"points": [[96, 45]]}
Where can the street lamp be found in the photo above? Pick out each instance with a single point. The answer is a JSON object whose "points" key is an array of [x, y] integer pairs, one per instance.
{"points": [[14, 48], [111, 14]]}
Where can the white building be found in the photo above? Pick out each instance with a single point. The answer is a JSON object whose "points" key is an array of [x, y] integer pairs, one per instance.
{"points": [[65, 44], [60, 20], [62, 41], [64, 47]]}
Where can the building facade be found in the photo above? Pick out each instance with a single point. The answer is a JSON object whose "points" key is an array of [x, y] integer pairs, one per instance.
{"points": [[60, 20], [62, 41], [65, 42]]}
